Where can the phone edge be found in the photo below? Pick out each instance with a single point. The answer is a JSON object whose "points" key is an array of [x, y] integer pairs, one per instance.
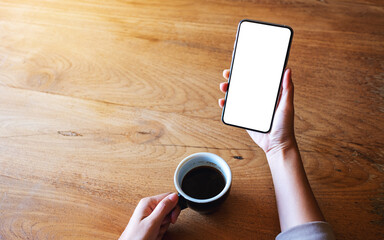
{"points": [[282, 75]]}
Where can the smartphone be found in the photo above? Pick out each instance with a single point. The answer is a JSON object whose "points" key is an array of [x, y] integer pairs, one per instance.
{"points": [[259, 58]]}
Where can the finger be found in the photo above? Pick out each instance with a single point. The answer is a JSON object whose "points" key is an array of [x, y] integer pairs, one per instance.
{"points": [[287, 80], [160, 236], [162, 209], [175, 214], [163, 229], [226, 73], [172, 216], [224, 87], [147, 205], [286, 93], [221, 102], [160, 197], [167, 219]]}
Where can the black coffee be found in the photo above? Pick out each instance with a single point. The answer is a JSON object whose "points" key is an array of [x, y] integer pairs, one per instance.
{"points": [[203, 182]]}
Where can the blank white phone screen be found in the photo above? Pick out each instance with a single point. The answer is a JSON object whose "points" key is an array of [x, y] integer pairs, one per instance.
{"points": [[256, 72]]}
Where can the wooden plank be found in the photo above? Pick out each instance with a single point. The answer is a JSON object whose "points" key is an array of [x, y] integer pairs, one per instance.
{"points": [[99, 101]]}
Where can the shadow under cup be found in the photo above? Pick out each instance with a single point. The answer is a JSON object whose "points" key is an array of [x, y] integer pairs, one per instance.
{"points": [[196, 160]]}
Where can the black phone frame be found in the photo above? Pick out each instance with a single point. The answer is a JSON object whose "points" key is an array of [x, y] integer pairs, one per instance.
{"points": [[282, 74]]}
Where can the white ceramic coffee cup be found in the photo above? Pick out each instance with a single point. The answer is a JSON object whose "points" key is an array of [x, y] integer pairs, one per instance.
{"points": [[198, 160]]}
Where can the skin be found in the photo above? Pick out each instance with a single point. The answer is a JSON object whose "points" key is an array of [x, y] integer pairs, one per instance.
{"points": [[152, 217], [295, 201]]}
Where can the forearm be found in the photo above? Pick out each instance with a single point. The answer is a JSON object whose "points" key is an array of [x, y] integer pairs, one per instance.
{"points": [[295, 201]]}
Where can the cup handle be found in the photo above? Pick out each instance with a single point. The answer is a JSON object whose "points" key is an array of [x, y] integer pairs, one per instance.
{"points": [[182, 202]]}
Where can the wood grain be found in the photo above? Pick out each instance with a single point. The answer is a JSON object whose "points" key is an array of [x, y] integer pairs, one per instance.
{"points": [[100, 100]]}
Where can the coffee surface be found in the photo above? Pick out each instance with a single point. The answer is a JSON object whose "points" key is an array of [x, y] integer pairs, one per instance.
{"points": [[203, 182]]}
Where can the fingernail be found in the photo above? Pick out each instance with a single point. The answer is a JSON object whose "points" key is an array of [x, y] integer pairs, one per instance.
{"points": [[173, 197]]}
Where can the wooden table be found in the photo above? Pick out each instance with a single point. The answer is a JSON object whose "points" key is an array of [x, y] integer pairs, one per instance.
{"points": [[100, 100]]}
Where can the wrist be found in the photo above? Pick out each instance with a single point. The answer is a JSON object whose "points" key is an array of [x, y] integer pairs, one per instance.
{"points": [[289, 145], [285, 162], [283, 154]]}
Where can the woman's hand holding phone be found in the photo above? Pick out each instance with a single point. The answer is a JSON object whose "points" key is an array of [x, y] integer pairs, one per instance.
{"points": [[282, 134], [295, 200]]}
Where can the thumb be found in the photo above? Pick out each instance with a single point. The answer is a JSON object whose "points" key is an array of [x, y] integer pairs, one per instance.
{"points": [[288, 84], [286, 97], [164, 207]]}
